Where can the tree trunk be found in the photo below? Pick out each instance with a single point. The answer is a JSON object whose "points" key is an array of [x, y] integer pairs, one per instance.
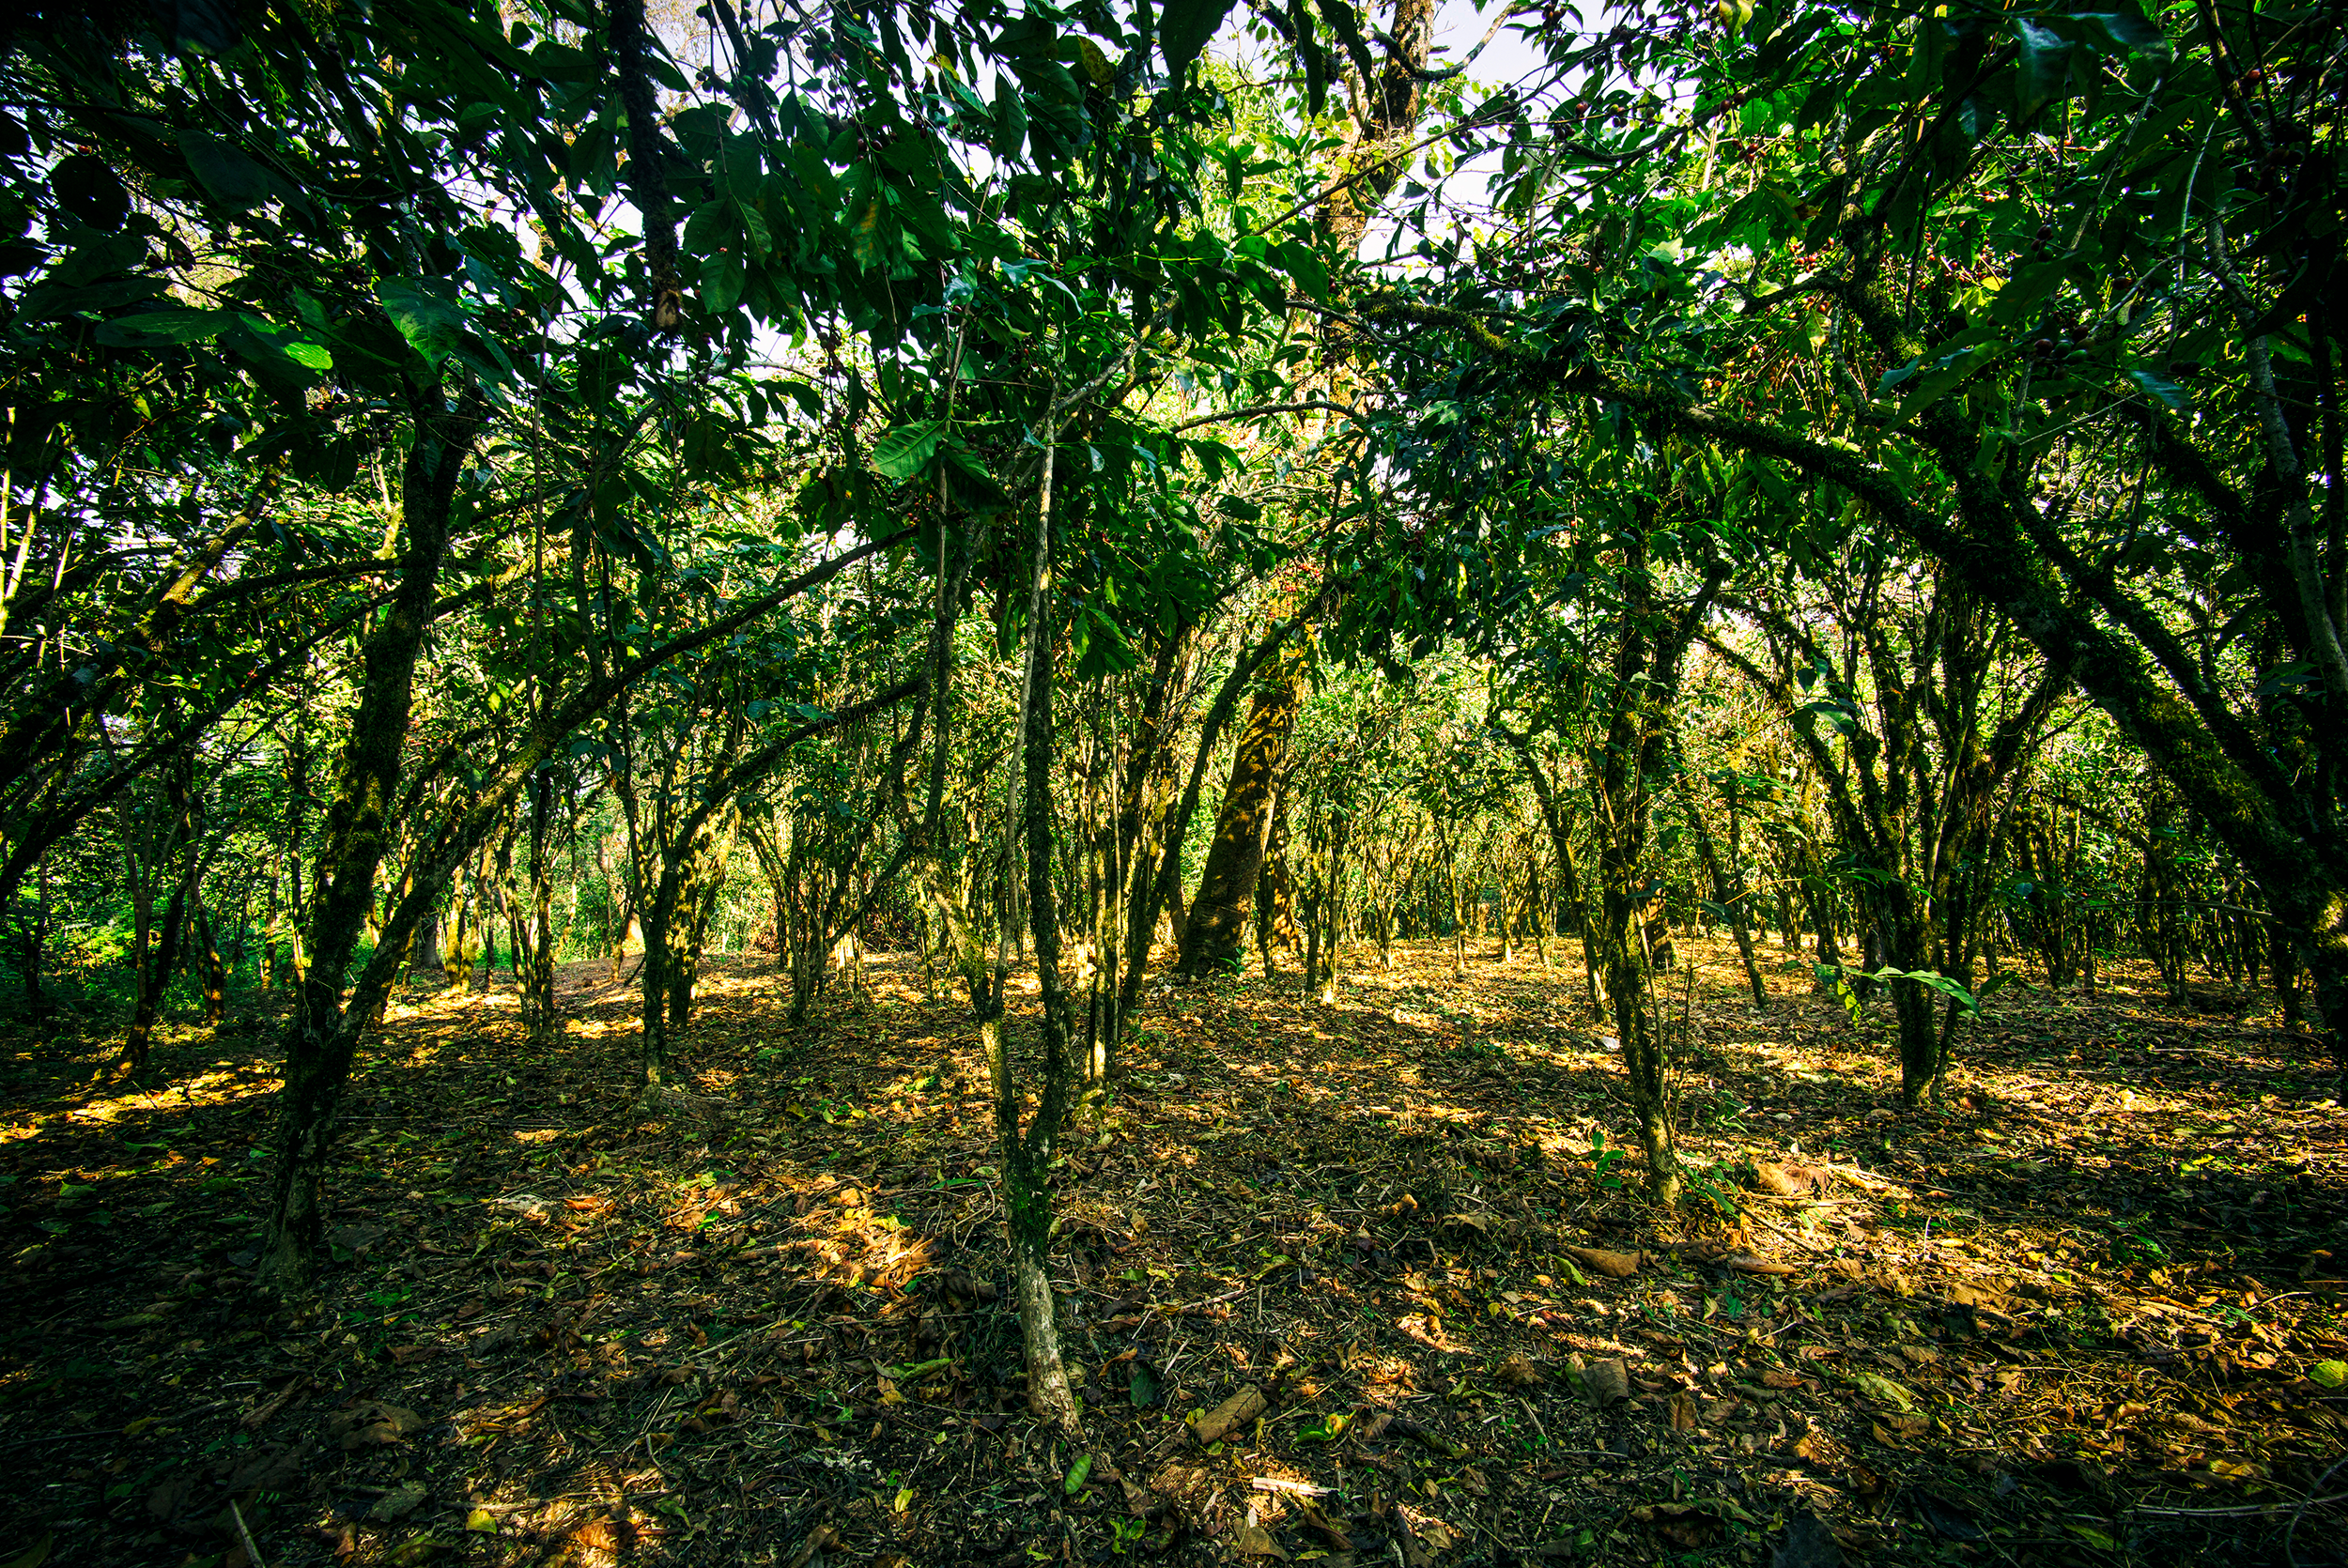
{"points": [[321, 1040], [159, 948], [1027, 1154], [1730, 897], [2282, 964], [153, 980], [32, 938], [215, 971], [1649, 655], [1216, 938], [1332, 923], [534, 958]]}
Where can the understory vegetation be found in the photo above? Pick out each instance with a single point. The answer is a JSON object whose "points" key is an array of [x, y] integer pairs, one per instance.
{"points": [[1063, 782]]}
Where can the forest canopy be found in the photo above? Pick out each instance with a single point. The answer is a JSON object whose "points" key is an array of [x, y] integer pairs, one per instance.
{"points": [[1097, 501]]}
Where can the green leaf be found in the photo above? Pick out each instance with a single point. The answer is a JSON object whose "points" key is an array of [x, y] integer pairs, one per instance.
{"points": [[1772, 483], [32, 1556], [426, 313], [1183, 28], [2044, 71], [754, 226], [721, 282], [2161, 388], [234, 180], [1011, 120], [1942, 376], [2126, 32], [1076, 1473], [810, 402], [1303, 264], [1883, 1391], [310, 356], [1143, 1389], [903, 451], [1932, 981], [156, 328], [705, 230]]}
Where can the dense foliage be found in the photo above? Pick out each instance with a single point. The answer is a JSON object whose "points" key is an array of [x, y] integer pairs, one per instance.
{"points": [[505, 486]]}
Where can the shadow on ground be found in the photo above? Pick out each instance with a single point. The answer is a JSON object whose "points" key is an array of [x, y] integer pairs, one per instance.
{"points": [[2083, 1316]]}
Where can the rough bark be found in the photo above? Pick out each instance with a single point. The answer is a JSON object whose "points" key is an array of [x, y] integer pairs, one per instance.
{"points": [[1729, 895], [1216, 938], [321, 1039], [215, 970], [1626, 777], [1158, 884]]}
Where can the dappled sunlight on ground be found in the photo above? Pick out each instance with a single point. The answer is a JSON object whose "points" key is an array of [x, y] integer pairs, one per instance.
{"points": [[2087, 1305]]}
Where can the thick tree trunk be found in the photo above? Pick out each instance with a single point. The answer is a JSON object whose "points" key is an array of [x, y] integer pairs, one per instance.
{"points": [[1906, 943], [153, 980], [1215, 939], [424, 952], [1630, 970], [533, 958], [321, 1039], [215, 969], [1649, 655], [1158, 879]]}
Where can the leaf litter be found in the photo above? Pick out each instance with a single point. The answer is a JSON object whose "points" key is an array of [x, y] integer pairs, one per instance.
{"points": [[1338, 1285]]}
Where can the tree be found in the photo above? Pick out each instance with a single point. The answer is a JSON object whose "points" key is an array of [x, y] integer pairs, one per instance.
{"points": [[2089, 377]]}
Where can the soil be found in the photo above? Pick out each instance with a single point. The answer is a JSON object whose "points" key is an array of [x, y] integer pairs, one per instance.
{"points": [[2089, 1312]]}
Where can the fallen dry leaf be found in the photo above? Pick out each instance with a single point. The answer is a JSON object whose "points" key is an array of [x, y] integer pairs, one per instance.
{"points": [[372, 1422], [1234, 1412], [1621, 1266], [1607, 1381], [1255, 1541], [1745, 1263]]}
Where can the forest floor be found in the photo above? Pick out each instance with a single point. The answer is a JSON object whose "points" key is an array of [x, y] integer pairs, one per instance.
{"points": [[2091, 1313]]}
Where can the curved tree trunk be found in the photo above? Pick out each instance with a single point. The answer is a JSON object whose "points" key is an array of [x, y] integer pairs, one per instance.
{"points": [[1216, 938], [322, 1038]]}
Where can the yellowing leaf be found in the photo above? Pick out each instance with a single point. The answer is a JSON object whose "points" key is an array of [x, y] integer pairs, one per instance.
{"points": [[1877, 1387], [32, 1556]]}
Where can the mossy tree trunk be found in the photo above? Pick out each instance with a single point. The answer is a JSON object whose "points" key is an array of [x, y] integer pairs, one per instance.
{"points": [[1627, 770], [322, 1038], [1216, 938]]}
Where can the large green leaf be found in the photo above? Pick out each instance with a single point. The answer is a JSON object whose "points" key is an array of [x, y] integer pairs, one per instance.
{"points": [[902, 453], [721, 282], [1183, 28], [1303, 266], [159, 328], [2162, 387], [2045, 69], [426, 313], [234, 180]]}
